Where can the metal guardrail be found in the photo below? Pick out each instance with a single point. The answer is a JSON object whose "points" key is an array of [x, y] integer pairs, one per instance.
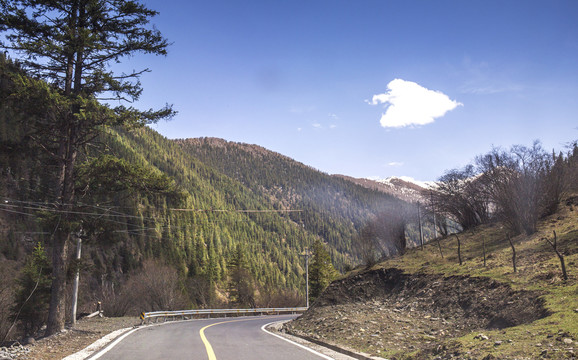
{"points": [[145, 316]]}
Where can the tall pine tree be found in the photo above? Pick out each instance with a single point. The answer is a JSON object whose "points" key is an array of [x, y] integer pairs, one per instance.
{"points": [[69, 45], [321, 270], [241, 283]]}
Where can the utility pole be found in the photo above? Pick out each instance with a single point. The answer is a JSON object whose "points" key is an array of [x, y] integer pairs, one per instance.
{"points": [[76, 277], [420, 227], [434, 216], [307, 254]]}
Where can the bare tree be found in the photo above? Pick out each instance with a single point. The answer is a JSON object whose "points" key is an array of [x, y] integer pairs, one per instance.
{"points": [[513, 253], [384, 235], [560, 256], [459, 249], [457, 196], [518, 183]]}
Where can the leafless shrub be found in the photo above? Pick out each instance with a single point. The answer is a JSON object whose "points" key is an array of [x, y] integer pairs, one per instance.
{"points": [[155, 287], [117, 300], [279, 298], [201, 291]]}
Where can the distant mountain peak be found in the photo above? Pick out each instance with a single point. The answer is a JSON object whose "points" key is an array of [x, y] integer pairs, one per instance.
{"points": [[403, 187], [405, 180]]}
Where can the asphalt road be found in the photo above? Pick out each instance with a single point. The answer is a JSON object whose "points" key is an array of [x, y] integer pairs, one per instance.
{"points": [[210, 339]]}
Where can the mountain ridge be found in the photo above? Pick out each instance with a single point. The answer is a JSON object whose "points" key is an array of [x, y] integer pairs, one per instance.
{"points": [[404, 188]]}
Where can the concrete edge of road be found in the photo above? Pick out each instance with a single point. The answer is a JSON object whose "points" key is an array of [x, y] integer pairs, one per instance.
{"points": [[100, 344], [107, 342], [275, 329]]}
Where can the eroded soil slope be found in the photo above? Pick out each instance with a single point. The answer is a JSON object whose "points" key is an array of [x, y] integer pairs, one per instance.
{"points": [[387, 310]]}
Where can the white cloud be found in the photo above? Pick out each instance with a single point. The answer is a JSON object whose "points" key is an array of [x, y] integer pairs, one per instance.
{"points": [[395, 163], [408, 103]]}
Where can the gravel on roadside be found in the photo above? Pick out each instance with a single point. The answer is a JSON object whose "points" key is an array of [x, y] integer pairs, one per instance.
{"points": [[72, 340]]}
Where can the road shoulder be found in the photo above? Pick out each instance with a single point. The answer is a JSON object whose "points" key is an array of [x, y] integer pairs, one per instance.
{"points": [[330, 350]]}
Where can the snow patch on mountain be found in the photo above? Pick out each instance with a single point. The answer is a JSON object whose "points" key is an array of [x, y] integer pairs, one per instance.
{"points": [[395, 180], [404, 187]]}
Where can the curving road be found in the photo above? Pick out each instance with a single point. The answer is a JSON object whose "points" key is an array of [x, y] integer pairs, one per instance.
{"points": [[210, 339]]}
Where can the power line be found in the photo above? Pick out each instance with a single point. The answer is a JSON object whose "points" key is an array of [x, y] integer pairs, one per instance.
{"points": [[108, 215], [235, 210]]}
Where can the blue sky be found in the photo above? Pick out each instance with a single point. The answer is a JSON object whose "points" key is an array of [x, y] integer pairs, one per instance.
{"points": [[369, 88]]}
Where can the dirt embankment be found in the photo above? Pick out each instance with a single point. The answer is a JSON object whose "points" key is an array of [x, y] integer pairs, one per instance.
{"points": [[386, 310]]}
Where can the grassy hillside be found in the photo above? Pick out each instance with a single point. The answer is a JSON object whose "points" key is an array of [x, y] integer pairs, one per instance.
{"points": [[460, 329], [538, 268]]}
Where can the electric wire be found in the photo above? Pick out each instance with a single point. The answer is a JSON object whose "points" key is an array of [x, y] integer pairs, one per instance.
{"points": [[108, 215]]}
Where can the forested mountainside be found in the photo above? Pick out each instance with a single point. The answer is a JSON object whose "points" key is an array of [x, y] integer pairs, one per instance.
{"points": [[224, 201], [329, 207]]}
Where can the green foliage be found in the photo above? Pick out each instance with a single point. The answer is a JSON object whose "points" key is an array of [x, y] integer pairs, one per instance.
{"points": [[109, 174], [241, 286], [321, 270], [332, 209], [32, 297], [69, 45]]}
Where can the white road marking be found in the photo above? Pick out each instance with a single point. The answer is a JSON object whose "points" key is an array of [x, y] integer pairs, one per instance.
{"points": [[293, 342]]}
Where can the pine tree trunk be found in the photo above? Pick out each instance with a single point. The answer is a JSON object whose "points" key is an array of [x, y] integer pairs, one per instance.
{"points": [[57, 310]]}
